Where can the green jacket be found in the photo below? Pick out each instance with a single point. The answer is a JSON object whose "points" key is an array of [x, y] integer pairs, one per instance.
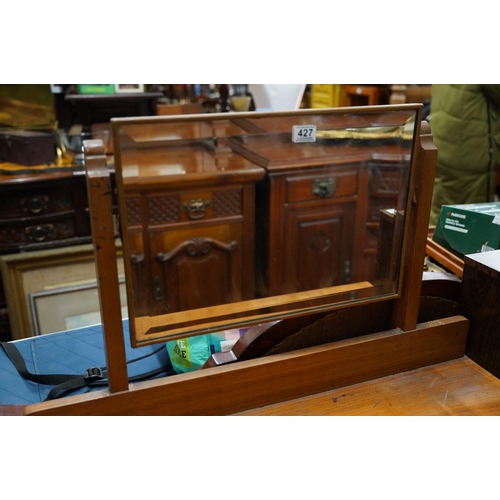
{"points": [[464, 121]]}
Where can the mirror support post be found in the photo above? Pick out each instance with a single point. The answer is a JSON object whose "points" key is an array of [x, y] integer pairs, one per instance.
{"points": [[405, 309], [103, 236]]}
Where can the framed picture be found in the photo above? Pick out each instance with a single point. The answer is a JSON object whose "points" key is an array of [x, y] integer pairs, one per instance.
{"points": [[53, 272], [129, 88], [67, 308]]}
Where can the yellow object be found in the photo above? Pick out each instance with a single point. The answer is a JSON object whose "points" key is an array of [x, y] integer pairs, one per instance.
{"points": [[325, 95]]}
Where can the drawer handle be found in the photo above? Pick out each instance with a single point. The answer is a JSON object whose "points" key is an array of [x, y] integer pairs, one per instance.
{"points": [[137, 258], [324, 188], [196, 209], [36, 204], [39, 233]]}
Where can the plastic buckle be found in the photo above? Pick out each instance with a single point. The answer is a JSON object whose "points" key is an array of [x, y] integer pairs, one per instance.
{"points": [[93, 374]]}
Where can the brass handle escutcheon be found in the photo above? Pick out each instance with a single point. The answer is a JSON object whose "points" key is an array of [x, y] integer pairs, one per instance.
{"points": [[324, 188], [196, 209], [35, 205], [40, 233]]}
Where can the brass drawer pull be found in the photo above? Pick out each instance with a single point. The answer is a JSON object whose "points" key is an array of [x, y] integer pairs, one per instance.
{"points": [[39, 233], [324, 188], [35, 205], [197, 209]]}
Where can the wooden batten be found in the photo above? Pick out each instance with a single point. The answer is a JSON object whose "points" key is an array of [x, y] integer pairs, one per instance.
{"points": [[252, 384], [101, 215], [405, 311]]}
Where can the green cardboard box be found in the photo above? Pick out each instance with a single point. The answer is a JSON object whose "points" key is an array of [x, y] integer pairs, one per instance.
{"points": [[94, 88], [468, 229]]}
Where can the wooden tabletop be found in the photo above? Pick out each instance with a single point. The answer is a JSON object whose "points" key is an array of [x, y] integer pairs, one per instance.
{"points": [[457, 387]]}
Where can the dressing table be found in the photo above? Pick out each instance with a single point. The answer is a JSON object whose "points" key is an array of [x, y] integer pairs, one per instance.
{"points": [[326, 327]]}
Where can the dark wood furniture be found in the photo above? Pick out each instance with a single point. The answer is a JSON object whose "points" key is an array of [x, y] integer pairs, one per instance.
{"points": [[479, 302], [87, 109], [41, 211]]}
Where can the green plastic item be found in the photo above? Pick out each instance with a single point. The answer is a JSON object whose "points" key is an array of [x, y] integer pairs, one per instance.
{"points": [[189, 354]]}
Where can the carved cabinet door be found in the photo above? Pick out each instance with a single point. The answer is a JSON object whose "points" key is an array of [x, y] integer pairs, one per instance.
{"points": [[318, 247], [311, 234], [191, 249], [195, 268]]}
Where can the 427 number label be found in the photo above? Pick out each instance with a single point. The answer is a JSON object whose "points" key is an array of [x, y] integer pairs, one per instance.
{"points": [[304, 133]]}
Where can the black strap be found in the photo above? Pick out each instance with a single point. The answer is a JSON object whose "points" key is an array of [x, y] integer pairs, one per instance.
{"points": [[65, 383]]}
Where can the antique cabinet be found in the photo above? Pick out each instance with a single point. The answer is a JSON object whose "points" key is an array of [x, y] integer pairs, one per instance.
{"points": [[313, 197], [306, 213], [42, 211], [190, 221]]}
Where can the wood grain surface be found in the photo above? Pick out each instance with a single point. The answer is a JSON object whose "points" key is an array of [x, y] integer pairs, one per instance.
{"points": [[457, 387]]}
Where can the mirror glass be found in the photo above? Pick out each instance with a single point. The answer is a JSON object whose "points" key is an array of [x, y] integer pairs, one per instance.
{"points": [[232, 219]]}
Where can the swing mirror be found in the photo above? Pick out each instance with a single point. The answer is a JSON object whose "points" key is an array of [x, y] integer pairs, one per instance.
{"points": [[233, 219]]}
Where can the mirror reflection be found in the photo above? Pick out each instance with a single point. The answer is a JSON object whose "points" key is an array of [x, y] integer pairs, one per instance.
{"points": [[236, 218]]}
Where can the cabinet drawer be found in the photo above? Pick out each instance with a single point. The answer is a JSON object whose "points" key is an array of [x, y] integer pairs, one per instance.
{"points": [[33, 233], [184, 207], [330, 184], [35, 202]]}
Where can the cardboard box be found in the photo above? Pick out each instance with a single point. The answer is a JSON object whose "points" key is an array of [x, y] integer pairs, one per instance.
{"points": [[469, 229], [93, 88]]}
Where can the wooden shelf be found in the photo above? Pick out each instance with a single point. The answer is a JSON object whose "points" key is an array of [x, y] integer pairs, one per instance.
{"points": [[112, 97]]}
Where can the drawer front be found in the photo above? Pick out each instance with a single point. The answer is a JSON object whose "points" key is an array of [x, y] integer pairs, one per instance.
{"points": [[160, 210], [321, 185], [35, 203], [32, 233]]}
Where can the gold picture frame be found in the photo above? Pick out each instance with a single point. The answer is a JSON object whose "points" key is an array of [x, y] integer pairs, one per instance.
{"points": [[29, 273]]}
